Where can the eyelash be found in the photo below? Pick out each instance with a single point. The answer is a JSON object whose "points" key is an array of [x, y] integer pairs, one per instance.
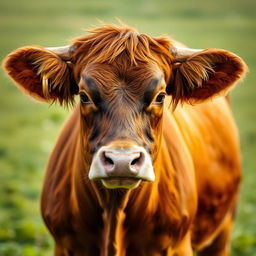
{"points": [[160, 98], [84, 98]]}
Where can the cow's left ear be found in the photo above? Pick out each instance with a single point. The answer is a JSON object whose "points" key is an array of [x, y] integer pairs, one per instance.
{"points": [[200, 75], [41, 73]]}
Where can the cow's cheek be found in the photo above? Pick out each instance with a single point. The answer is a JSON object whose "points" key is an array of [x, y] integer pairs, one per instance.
{"points": [[156, 124], [87, 134]]}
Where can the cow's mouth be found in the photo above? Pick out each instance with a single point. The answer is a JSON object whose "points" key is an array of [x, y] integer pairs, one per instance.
{"points": [[120, 182]]}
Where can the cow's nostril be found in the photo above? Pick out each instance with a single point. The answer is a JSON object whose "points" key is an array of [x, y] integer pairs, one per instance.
{"points": [[136, 160], [107, 161]]}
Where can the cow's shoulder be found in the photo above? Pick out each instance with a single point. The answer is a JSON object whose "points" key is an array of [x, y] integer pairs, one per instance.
{"points": [[57, 185], [211, 137]]}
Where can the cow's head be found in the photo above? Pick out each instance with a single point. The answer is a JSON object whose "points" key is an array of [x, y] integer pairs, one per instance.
{"points": [[122, 78]]}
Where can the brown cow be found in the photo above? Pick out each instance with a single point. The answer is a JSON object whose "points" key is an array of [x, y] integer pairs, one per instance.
{"points": [[129, 174]]}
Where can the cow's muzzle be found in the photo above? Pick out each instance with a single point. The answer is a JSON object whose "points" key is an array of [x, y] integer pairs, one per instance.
{"points": [[121, 165]]}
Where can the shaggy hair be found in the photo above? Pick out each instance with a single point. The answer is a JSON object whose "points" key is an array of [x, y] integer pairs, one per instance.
{"points": [[109, 43]]}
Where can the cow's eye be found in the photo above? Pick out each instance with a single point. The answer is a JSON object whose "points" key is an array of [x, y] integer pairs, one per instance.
{"points": [[84, 98], [160, 98]]}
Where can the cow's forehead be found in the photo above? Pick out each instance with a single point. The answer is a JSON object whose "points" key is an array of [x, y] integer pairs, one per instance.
{"points": [[107, 75], [123, 48]]}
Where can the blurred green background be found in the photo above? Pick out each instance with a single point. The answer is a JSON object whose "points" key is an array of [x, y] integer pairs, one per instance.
{"points": [[28, 129]]}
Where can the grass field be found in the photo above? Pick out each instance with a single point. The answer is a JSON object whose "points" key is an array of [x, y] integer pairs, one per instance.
{"points": [[28, 129]]}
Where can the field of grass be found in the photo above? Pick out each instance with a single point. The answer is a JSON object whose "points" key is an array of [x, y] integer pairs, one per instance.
{"points": [[28, 129]]}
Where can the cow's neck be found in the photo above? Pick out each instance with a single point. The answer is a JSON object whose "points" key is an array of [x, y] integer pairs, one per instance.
{"points": [[113, 216]]}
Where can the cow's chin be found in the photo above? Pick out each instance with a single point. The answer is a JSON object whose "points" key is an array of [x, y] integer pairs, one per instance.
{"points": [[120, 182]]}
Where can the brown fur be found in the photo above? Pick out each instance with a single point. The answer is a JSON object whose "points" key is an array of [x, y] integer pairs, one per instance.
{"points": [[195, 150]]}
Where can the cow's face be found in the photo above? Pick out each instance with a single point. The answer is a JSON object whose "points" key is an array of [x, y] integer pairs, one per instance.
{"points": [[122, 78], [121, 113]]}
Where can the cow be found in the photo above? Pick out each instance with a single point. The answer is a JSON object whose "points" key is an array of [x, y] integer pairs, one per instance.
{"points": [[148, 163]]}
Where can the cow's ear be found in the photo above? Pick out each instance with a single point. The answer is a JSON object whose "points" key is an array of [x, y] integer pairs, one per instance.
{"points": [[41, 74], [204, 75]]}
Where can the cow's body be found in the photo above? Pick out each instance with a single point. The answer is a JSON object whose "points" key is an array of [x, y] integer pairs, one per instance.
{"points": [[198, 161], [135, 172]]}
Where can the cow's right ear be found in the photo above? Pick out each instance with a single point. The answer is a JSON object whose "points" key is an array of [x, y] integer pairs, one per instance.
{"points": [[42, 74]]}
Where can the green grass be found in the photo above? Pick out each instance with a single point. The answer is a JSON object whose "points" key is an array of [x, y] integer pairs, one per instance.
{"points": [[28, 129]]}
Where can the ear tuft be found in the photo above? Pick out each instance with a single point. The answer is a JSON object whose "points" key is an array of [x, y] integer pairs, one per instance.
{"points": [[55, 76], [188, 76]]}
